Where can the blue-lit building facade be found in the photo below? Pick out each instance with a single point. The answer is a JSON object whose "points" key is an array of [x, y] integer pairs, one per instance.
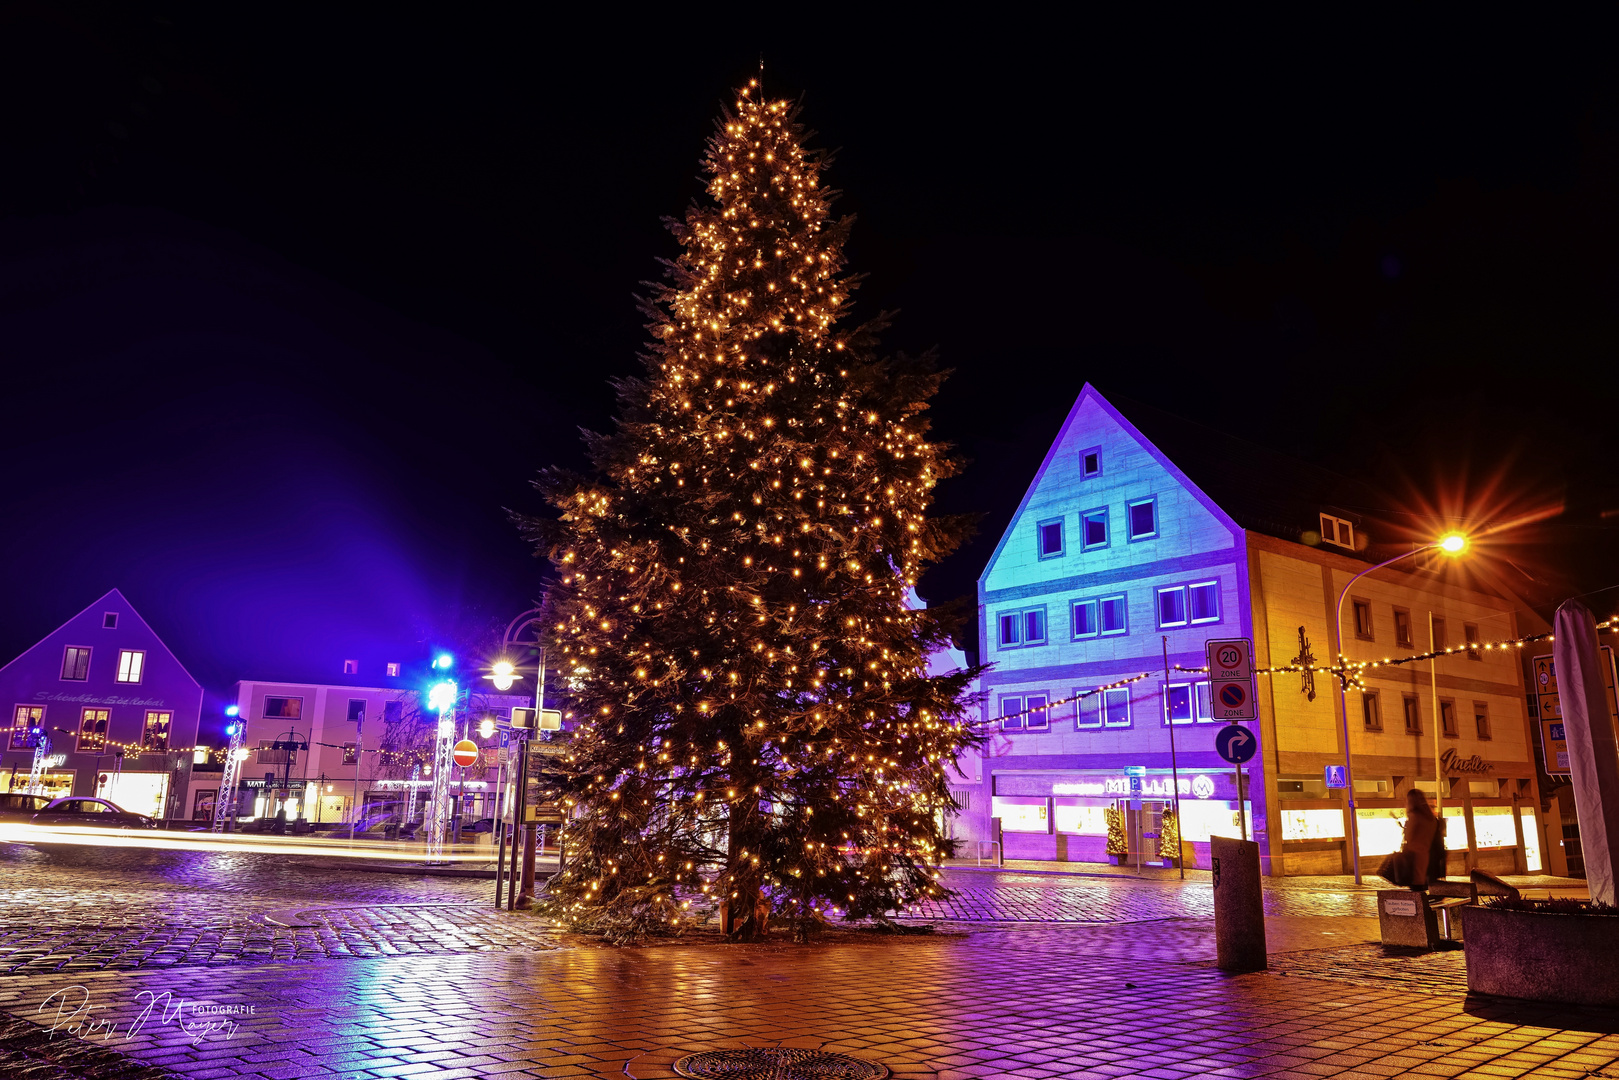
{"points": [[1126, 548]]}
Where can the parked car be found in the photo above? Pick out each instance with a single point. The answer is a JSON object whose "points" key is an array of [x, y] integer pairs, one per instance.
{"points": [[79, 810], [16, 806]]}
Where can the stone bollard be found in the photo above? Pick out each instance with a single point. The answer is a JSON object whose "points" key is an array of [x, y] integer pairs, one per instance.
{"points": [[1239, 909]]}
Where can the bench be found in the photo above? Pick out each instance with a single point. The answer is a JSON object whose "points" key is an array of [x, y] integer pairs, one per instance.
{"points": [[1422, 920]]}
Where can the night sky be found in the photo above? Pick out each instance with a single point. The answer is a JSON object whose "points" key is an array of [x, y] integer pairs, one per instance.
{"points": [[294, 301]]}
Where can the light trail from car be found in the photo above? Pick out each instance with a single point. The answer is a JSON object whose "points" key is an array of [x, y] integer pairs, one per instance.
{"points": [[159, 840]]}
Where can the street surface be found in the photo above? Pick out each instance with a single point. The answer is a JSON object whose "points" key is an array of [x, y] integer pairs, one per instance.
{"points": [[382, 975]]}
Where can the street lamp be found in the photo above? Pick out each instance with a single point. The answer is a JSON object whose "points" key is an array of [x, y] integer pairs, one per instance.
{"points": [[503, 673], [1451, 544]]}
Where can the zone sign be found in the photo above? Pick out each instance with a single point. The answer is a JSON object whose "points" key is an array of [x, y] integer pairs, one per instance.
{"points": [[1230, 659]]}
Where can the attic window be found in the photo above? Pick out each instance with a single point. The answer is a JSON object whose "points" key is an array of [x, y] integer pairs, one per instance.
{"points": [[393, 671], [351, 667], [109, 620], [1335, 530], [1090, 463]]}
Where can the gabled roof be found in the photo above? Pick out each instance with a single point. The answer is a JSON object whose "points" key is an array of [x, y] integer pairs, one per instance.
{"points": [[100, 605]]}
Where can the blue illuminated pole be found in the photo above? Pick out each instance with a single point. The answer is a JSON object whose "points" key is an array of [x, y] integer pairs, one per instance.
{"points": [[441, 698]]}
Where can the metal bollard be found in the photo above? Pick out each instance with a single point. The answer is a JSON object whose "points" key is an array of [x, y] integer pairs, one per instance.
{"points": [[1239, 907]]}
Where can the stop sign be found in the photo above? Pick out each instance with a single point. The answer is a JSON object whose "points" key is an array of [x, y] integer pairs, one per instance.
{"points": [[466, 752]]}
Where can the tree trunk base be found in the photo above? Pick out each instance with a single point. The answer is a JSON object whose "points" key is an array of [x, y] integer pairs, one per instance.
{"points": [[738, 923]]}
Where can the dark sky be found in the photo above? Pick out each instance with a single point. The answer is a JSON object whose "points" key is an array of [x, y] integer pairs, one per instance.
{"points": [[294, 301]]}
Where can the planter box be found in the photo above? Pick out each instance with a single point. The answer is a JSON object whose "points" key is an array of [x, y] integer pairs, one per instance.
{"points": [[1542, 957]]}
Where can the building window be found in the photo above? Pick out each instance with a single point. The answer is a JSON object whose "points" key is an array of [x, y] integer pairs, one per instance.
{"points": [[1116, 707], [1371, 711], [76, 663], [1049, 535], [1413, 714], [1093, 524], [1335, 530], [130, 663], [356, 710], [1447, 718], [1087, 710], [1023, 627], [283, 708], [1114, 613], [1172, 607], [351, 753], [393, 712], [1011, 629], [1481, 719], [1205, 710], [93, 731], [393, 671], [1203, 601], [23, 722], [1402, 627], [1178, 703], [351, 667], [156, 734], [1085, 619], [1025, 712], [1363, 620], [109, 620], [1470, 633], [1439, 638], [1144, 519], [1090, 463]]}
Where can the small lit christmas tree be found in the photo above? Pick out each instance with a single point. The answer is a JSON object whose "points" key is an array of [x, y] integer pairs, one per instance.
{"points": [[755, 717]]}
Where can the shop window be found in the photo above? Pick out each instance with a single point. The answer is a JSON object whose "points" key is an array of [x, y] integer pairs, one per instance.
{"points": [[1085, 624], [1114, 615], [1020, 814], [1447, 718], [1481, 719], [1116, 707], [1319, 824], [1144, 519], [155, 736], [1493, 827], [1203, 601], [1081, 820], [1413, 714], [1402, 627], [1371, 711], [75, 663], [1470, 633], [23, 722], [93, 731], [1093, 529], [1090, 463], [1172, 607], [130, 663], [283, 708], [1050, 538]]}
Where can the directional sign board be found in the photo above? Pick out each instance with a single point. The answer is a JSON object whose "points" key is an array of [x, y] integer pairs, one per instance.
{"points": [[1555, 743], [1235, 744], [1231, 678], [1549, 708]]}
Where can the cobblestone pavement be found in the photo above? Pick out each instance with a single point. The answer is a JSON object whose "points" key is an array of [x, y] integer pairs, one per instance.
{"points": [[1051, 1001], [90, 910]]}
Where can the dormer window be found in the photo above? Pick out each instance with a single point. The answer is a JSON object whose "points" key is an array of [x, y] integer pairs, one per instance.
{"points": [[1335, 530]]}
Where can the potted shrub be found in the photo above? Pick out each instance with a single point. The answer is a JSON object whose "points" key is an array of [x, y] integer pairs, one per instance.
{"points": [[1118, 850], [1543, 950]]}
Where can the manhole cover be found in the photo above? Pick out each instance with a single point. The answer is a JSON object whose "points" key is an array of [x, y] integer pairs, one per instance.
{"points": [[778, 1064]]}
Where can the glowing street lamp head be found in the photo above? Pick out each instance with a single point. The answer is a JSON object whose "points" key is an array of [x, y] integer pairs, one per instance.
{"points": [[487, 728], [503, 674], [232, 728], [443, 662], [231, 710], [441, 696], [1453, 544]]}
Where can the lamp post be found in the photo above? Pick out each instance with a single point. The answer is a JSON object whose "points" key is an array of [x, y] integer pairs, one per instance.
{"points": [[503, 673], [1453, 544]]}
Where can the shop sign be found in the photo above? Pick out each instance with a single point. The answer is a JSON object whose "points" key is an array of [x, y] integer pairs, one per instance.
{"points": [[1452, 762], [1160, 787]]}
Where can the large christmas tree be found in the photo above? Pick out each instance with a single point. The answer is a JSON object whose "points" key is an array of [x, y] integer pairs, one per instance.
{"points": [[755, 717]]}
